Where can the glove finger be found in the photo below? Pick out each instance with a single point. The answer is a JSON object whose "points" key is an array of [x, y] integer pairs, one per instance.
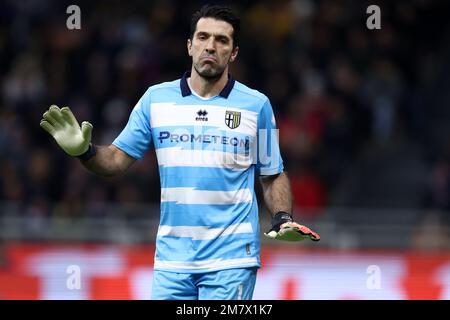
{"points": [[86, 129], [303, 230], [290, 234], [69, 117], [55, 112], [52, 120], [47, 127], [308, 232]]}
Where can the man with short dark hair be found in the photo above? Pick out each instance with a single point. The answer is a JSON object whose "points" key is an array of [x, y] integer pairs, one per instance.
{"points": [[211, 134]]}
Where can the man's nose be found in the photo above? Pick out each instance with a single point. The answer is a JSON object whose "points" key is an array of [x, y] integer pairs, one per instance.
{"points": [[210, 48]]}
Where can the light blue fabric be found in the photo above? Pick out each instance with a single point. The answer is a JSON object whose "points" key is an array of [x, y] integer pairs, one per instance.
{"points": [[229, 284]]}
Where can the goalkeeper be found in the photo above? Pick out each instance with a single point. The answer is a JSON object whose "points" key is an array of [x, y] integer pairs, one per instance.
{"points": [[212, 136]]}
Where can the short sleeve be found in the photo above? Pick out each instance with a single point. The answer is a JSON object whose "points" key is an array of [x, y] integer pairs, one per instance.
{"points": [[269, 161], [136, 138]]}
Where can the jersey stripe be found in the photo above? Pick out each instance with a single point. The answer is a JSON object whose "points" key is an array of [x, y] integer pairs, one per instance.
{"points": [[171, 114], [227, 174], [200, 182], [213, 216], [206, 264], [203, 232], [192, 196], [232, 246], [177, 157]]}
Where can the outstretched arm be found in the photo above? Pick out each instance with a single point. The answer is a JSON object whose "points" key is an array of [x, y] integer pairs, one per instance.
{"points": [[108, 161], [75, 140], [278, 198]]}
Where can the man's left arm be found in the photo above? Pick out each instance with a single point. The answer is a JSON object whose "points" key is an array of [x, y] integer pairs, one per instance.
{"points": [[278, 198], [277, 192]]}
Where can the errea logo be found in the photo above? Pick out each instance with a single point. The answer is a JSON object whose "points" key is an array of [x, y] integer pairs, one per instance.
{"points": [[202, 115]]}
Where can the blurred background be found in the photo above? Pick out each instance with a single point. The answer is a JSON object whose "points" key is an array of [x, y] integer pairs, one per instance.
{"points": [[364, 131]]}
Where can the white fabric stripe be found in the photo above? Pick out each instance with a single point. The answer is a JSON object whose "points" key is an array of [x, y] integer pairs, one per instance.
{"points": [[203, 232], [193, 196], [240, 290], [205, 264], [170, 114], [177, 157]]}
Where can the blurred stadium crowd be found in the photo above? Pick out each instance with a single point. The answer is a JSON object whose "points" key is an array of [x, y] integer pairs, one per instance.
{"points": [[336, 88]]}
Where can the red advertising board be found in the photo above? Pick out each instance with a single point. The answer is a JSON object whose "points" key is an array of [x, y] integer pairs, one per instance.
{"points": [[45, 271]]}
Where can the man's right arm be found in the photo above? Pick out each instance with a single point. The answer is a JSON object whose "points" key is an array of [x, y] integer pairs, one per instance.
{"points": [[75, 140], [108, 161]]}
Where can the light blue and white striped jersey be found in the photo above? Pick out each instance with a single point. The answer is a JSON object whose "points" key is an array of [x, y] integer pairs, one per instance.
{"points": [[208, 152]]}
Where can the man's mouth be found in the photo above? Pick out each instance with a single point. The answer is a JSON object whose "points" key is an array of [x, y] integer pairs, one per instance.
{"points": [[209, 58]]}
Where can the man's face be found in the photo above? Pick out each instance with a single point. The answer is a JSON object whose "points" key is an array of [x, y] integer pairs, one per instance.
{"points": [[211, 47]]}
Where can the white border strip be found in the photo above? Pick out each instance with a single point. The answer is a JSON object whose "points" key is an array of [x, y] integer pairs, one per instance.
{"points": [[205, 264]]}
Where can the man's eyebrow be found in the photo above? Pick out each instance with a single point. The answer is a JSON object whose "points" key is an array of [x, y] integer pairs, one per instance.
{"points": [[220, 35]]}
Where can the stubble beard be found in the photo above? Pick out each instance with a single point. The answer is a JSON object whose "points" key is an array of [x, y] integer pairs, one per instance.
{"points": [[211, 73]]}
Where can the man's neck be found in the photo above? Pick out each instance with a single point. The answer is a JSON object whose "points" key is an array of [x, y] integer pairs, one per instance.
{"points": [[205, 87]]}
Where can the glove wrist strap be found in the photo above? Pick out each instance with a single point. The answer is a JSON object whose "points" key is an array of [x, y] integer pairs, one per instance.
{"points": [[281, 217], [90, 152]]}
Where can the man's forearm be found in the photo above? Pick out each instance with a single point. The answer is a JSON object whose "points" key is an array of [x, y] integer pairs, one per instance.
{"points": [[278, 197], [108, 161], [277, 193]]}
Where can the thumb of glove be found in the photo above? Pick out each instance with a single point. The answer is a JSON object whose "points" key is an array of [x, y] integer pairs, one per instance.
{"points": [[271, 234]]}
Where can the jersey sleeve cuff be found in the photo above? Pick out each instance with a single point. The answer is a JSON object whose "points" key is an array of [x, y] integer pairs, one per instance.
{"points": [[270, 171], [128, 150]]}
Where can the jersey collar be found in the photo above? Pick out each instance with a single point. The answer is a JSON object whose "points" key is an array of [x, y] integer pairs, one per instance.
{"points": [[186, 91]]}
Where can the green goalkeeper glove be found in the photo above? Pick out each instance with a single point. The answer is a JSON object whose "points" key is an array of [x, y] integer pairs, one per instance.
{"points": [[284, 228], [64, 128]]}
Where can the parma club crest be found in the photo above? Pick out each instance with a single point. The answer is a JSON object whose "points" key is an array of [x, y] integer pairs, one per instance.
{"points": [[232, 119]]}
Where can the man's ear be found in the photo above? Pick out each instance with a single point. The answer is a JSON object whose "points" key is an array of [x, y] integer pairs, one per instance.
{"points": [[234, 54], [189, 47]]}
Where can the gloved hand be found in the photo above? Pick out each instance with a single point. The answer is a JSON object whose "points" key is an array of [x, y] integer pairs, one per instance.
{"points": [[64, 127], [284, 228]]}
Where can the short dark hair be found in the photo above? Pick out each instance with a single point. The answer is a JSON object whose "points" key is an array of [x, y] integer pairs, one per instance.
{"points": [[217, 12]]}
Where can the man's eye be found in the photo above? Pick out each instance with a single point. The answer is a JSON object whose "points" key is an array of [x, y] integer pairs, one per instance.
{"points": [[223, 40]]}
